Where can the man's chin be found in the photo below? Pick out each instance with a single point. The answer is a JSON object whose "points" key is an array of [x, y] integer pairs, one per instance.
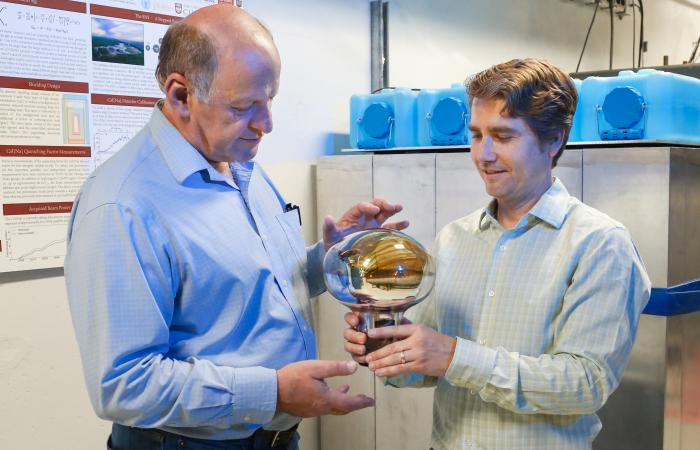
{"points": [[492, 189], [245, 155]]}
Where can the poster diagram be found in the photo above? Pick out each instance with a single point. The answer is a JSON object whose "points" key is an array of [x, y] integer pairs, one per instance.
{"points": [[75, 119], [35, 244], [116, 119], [108, 141]]}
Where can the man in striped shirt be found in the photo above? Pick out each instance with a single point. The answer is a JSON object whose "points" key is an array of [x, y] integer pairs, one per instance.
{"points": [[537, 296]]}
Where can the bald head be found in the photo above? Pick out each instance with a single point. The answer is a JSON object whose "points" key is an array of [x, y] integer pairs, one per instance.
{"points": [[210, 37], [230, 26]]}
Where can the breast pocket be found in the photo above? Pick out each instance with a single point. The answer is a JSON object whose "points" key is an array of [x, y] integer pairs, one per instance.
{"points": [[289, 222]]}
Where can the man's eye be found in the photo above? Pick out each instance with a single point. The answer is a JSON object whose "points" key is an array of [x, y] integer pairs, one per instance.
{"points": [[241, 109], [476, 136], [504, 138]]}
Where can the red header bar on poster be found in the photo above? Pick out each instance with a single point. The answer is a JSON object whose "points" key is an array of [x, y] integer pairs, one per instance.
{"points": [[19, 209], [43, 85], [63, 5], [129, 14], [123, 100], [33, 151]]}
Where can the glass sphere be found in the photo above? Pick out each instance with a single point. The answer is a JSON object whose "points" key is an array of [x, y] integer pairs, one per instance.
{"points": [[379, 270]]}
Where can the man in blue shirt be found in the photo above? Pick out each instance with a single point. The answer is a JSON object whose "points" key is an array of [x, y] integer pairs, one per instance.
{"points": [[188, 279]]}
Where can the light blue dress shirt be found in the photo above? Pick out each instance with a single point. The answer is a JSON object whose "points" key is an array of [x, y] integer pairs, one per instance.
{"points": [[545, 316], [187, 292]]}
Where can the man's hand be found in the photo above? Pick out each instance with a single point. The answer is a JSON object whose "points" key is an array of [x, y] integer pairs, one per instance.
{"points": [[355, 340], [302, 392], [421, 350], [362, 216]]}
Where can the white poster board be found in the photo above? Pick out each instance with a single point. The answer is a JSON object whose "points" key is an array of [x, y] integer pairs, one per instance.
{"points": [[76, 83]]}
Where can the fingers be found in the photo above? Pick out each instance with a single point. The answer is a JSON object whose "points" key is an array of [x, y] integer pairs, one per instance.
{"points": [[352, 319], [355, 350], [392, 371], [394, 363], [328, 224], [355, 337], [368, 209], [386, 209], [358, 214], [325, 369], [399, 332], [392, 349], [397, 225], [341, 403], [330, 231], [355, 345], [359, 359]]}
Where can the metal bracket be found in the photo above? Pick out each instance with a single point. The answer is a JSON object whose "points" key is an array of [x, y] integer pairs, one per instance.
{"points": [[387, 140], [621, 134]]}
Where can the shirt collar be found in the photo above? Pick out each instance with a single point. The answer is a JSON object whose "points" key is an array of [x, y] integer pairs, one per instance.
{"points": [[182, 158], [551, 208], [553, 205]]}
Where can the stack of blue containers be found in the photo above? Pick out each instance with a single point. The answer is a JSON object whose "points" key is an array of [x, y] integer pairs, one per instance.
{"points": [[443, 116], [407, 118], [383, 120], [648, 104]]}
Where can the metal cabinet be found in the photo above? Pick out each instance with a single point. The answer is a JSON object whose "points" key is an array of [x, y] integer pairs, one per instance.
{"points": [[654, 191]]}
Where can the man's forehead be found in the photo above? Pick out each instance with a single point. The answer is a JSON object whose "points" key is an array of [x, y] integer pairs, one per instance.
{"points": [[495, 109]]}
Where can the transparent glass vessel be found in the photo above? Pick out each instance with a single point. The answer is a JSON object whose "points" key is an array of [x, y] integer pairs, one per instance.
{"points": [[379, 274]]}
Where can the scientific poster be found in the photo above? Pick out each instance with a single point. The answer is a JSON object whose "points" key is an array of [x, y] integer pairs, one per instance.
{"points": [[76, 83]]}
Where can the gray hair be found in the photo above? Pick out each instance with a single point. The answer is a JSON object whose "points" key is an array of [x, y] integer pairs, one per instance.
{"points": [[190, 52]]}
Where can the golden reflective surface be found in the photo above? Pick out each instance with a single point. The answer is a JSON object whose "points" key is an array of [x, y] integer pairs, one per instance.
{"points": [[379, 269]]}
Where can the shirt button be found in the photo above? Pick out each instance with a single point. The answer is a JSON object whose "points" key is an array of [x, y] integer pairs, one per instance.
{"points": [[284, 283], [503, 248], [491, 293], [471, 391], [246, 419]]}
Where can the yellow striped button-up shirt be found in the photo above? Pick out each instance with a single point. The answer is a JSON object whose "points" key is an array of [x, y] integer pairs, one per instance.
{"points": [[545, 316]]}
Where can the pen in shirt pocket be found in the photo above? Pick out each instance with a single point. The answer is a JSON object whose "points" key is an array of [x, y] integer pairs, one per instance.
{"points": [[290, 207]]}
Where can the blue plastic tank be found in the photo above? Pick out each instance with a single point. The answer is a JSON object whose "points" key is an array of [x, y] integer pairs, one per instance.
{"points": [[649, 104], [575, 133], [383, 120], [443, 116]]}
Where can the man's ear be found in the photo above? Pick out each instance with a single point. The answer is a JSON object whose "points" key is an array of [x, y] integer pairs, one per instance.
{"points": [[177, 95], [555, 144]]}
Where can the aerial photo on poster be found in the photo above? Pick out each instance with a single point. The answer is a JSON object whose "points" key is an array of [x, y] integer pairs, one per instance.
{"points": [[117, 41]]}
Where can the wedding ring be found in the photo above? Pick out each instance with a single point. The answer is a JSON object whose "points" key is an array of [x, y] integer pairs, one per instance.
{"points": [[403, 357]]}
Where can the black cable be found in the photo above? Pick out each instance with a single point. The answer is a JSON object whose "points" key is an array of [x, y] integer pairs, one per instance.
{"points": [[634, 32], [392, 88], [612, 33], [695, 51], [595, 11], [641, 33]]}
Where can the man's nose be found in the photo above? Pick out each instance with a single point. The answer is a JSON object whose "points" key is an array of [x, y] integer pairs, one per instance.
{"points": [[487, 154], [262, 119]]}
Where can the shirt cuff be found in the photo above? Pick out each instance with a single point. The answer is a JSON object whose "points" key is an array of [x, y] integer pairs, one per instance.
{"points": [[471, 365], [255, 395]]}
